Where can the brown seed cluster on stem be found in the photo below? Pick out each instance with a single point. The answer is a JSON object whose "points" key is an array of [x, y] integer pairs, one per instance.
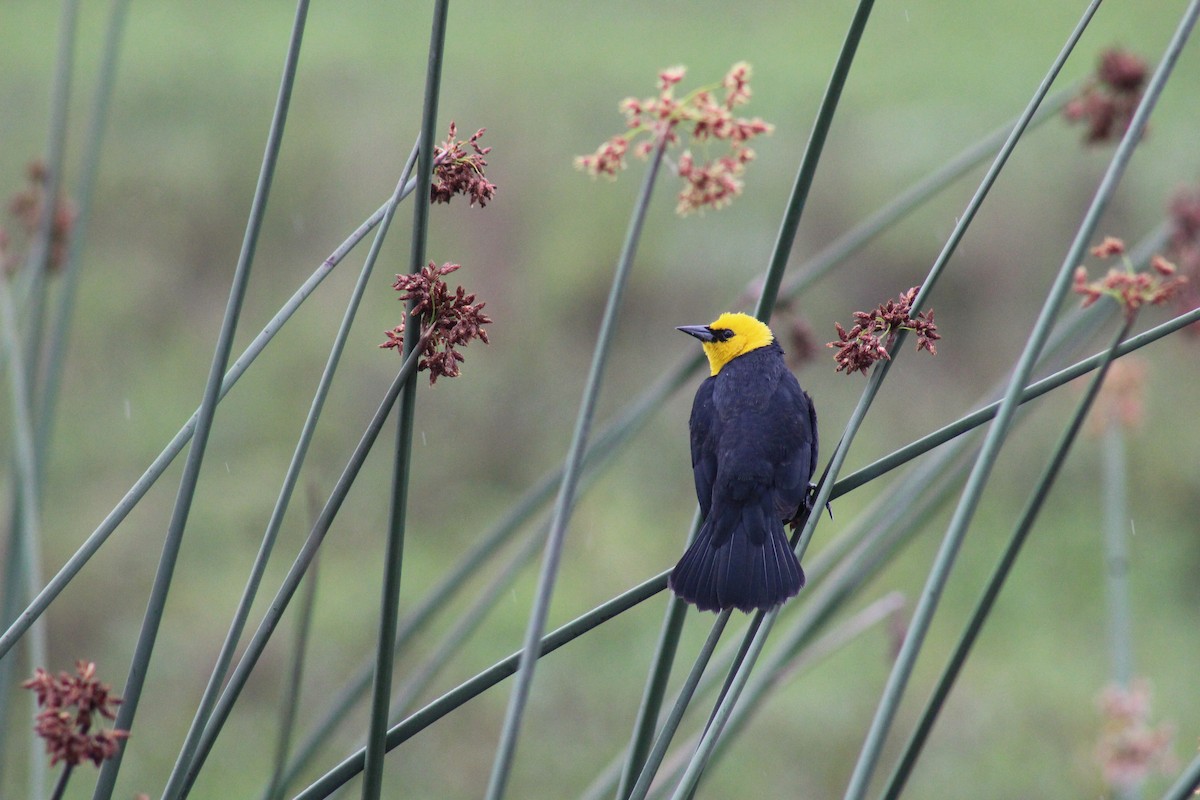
{"points": [[1183, 248], [1108, 100], [457, 171], [71, 706], [27, 208], [871, 335], [448, 320]]}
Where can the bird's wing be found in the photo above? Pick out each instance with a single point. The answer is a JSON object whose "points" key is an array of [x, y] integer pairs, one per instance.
{"points": [[812, 427], [703, 427], [795, 436]]}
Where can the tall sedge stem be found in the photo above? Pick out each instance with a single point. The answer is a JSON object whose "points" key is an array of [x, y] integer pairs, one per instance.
{"points": [[191, 473], [566, 495], [389, 610]]}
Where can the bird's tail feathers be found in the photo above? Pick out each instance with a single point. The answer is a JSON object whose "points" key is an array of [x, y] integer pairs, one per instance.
{"points": [[729, 569]]}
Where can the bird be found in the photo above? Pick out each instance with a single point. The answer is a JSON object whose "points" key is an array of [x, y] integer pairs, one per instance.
{"points": [[754, 450]]}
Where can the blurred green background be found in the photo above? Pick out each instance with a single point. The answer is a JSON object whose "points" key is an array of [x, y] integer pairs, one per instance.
{"points": [[193, 99]]}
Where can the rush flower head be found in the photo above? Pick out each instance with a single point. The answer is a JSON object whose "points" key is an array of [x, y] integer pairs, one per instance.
{"points": [[447, 320], [28, 207], [70, 707], [871, 336], [1183, 247], [1129, 288], [1110, 97], [705, 115], [457, 171], [1130, 747]]}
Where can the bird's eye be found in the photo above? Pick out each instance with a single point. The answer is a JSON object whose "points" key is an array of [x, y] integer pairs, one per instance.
{"points": [[724, 334]]}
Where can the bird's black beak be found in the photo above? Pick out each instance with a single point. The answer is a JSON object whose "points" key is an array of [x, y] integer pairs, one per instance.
{"points": [[701, 332]]}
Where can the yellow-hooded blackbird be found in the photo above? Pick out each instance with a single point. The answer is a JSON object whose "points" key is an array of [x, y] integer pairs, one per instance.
{"points": [[754, 449]]}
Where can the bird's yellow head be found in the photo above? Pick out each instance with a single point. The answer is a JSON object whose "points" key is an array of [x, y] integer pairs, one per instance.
{"points": [[728, 337]]}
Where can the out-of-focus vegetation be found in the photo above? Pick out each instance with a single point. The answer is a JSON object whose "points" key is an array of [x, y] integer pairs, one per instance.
{"points": [[192, 104]]}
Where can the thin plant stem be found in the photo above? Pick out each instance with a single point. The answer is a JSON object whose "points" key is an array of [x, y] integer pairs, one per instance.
{"points": [[812, 157], [506, 750], [389, 607], [13, 588], [38, 258], [1116, 554], [37, 264], [68, 280], [295, 681], [191, 472], [242, 613], [1116, 572], [464, 626], [738, 659], [848, 632], [258, 642], [1000, 574], [605, 447], [60, 787], [655, 692], [140, 487], [842, 248], [29, 521], [463, 693], [60, 327], [1187, 784], [671, 723], [960, 522], [656, 686], [691, 775]]}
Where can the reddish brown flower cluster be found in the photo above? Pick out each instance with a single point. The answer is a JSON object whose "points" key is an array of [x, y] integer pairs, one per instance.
{"points": [[703, 117], [1130, 748], [457, 171], [869, 339], [1131, 289], [714, 183], [447, 320], [1184, 213], [27, 208], [70, 705], [1183, 248], [1109, 99]]}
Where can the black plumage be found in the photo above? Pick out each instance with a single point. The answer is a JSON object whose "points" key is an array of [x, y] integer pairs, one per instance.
{"points": [[754, 451]]}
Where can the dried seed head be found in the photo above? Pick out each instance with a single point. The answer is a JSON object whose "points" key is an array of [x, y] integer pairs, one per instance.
{"points": [[864, 344], [447, 321]]}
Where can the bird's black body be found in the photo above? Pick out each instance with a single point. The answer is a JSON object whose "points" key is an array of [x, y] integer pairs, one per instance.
{"points": [[754, 450]]}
